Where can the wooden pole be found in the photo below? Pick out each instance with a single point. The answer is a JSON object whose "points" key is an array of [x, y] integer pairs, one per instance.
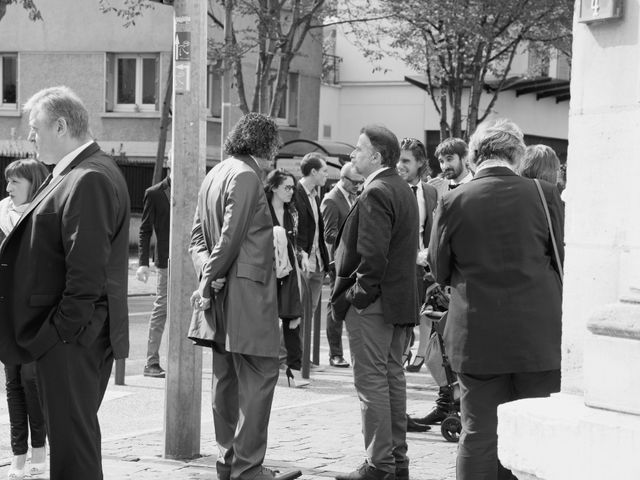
{"points": [[184, 367]]}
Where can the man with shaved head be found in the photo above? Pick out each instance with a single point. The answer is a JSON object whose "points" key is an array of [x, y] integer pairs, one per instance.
{"points": [[335, 207]]}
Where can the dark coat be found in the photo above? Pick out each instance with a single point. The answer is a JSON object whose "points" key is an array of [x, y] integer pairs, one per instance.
{"points": [[491, 244], [64, 267], [156, 217], [334, 208], [307, 225], [376, 252]]}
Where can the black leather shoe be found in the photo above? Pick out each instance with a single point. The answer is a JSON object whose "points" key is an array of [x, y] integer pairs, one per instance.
{"points": [[436, 415], [338, 361], [268, 474], [402, 473], [223, 470], [416, 426], [366, 472]]}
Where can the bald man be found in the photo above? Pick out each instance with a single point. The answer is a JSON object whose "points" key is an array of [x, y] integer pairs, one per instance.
{"points": [[335, 207]]}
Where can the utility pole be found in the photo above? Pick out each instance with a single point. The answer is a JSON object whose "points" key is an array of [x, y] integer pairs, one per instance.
{"points": [[225, 124], [184, 367]]}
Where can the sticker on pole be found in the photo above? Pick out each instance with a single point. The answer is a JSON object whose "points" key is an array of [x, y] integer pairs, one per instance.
{"points": [[183, 47], [182, 77]]}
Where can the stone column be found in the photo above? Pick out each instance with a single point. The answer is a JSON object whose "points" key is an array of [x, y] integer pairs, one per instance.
{"points": [[591, 430]]}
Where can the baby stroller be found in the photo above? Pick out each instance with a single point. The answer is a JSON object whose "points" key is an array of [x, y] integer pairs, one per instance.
{"points": [[435, 309]]}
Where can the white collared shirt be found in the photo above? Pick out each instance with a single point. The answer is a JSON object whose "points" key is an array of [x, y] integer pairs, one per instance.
{"points": [[466, 179], [67, 159], [422, 211], [494, 163], [374, 175], [346, 195]]}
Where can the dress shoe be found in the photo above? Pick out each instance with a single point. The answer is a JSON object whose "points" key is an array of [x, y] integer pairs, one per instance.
{"points": [[416, 365], [402, 473], [154, 370], [415, 426], [223, 470], [268, 474], [436, 415], [338, 361], [366, 472]]}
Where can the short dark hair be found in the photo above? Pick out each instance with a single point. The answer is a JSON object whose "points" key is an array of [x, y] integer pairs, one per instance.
{"points": [[384, 142], [30, 169], [452, 146], [311, 161], [416, 147], [541, 162], [275, 178], [254, 134]]}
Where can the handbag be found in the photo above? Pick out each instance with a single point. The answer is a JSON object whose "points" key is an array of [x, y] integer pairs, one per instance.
{"points": [[289, 304], [553, 238]]}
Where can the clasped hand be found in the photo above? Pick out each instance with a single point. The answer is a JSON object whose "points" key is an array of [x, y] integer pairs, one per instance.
{"points": [[199, 302]]}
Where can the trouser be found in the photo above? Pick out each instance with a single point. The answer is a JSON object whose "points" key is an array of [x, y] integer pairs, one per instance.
{"points": [[293, 345], [72, 380], [158, 317], [25, 412], [334, 327], [376, 351], [480, 397], [242, 393], [421, 285]]}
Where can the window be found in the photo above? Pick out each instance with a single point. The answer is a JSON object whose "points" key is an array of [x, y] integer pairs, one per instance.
{"points": [[214, 92], [9, 80], [132, 83]]}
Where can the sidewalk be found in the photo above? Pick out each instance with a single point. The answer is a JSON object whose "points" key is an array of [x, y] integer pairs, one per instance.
{"points": [[315, 429]]}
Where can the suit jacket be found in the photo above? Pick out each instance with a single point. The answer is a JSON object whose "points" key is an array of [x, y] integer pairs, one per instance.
{"points": [[156, 216], [376, 251], [491, 244], [334, 208], [307, 225], [232, 238], [64, 267], [431, 202]]}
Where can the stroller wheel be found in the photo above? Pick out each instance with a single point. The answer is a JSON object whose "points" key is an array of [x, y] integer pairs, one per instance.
{"points": [[451, 428]]}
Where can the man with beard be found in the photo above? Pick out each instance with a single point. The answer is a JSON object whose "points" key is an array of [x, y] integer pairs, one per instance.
{"points": [[452, 156]]}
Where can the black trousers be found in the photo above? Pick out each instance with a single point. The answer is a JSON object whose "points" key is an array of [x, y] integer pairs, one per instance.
{"points": [[480, 397], [25, 412], [293, 345], [72, 380], [334, 327]]}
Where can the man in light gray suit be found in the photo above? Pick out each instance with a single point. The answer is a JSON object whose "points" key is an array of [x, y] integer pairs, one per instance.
{"points": [[335, 208], [232, 250]]}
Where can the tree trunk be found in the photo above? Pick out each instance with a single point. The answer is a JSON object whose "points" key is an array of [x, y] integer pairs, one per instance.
{"points": [[164, 127], [444, 127], [281, 84]]}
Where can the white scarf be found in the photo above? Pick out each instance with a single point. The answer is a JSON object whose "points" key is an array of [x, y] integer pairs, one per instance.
{"points": [[10, 214]]}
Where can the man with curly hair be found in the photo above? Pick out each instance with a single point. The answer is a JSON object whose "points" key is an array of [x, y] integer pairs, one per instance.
{"points": [[232, 250]]}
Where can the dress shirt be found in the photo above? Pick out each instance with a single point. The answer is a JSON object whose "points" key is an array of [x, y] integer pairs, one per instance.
{"points": [[466, 179], [422, 210], [348, 196], [373, 175]]}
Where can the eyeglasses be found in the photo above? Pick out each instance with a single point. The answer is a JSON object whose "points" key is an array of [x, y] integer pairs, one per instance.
{"points": [[355, 182], [288, 188]]}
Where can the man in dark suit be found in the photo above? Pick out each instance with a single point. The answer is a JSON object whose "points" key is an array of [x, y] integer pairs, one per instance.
{"points": [[335, 207], [156, 217], [64, 277], [377, 246], [314, 258], [491, 244], [232, 251]]}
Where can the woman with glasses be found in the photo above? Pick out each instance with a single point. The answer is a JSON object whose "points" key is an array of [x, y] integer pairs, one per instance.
{"points": [[279, 190]]}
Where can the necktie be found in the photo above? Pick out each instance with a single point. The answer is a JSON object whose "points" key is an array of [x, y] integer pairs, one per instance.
{"points": [[352, 199], [415, 190]]}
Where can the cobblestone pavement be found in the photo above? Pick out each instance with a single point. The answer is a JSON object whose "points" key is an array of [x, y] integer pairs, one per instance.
{"points": [[315, 429]]}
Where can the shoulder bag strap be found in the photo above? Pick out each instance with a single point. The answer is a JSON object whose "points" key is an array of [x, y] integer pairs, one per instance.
{"points": [[553, 238]]}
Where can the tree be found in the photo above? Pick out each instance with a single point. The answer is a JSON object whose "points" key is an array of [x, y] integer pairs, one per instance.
{"points": [[461, 45], [28, 5]]}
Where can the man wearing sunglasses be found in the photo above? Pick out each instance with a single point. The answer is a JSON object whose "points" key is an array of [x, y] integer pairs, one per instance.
{"points": [[335, 207]]}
